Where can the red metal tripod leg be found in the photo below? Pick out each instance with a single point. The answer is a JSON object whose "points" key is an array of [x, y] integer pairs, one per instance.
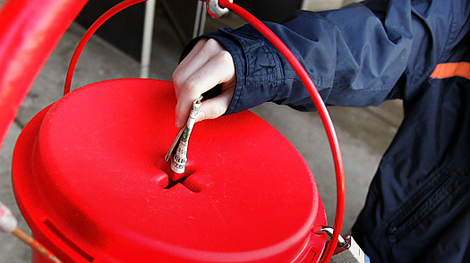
{"points": [[29, 31]]}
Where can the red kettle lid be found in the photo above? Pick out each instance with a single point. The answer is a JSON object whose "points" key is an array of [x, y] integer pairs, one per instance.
{"points": [[90, 178]]}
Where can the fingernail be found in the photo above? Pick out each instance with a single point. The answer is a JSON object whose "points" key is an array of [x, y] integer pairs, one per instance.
{"points": [[178, 123]]}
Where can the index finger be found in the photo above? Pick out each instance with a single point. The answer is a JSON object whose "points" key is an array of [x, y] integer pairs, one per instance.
{"points": [[218, 69]]}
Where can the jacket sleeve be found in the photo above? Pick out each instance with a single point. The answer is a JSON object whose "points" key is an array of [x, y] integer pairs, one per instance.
{"points": [[355, 55]]}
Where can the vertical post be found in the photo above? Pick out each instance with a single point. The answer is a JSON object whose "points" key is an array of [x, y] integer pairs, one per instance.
{"points": [[197, 20], [200, 21], [202, 25], [147, 39]]}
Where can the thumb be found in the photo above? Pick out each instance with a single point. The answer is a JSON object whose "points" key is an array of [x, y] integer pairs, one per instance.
{"points": [[215, 107]]}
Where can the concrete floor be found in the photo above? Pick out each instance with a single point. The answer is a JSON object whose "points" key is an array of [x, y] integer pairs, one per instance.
{"points": [[364, 133]]}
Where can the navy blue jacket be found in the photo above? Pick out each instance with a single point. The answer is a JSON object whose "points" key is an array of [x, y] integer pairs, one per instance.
{"points": [[417, 208]]}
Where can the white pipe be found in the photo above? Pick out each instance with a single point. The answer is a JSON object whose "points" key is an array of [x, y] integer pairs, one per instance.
{"points": [[197, 20], [202, 25], [147, 38]]}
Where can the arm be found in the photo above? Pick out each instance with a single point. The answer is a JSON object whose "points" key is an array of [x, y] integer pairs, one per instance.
{"points": [[355, 55]]}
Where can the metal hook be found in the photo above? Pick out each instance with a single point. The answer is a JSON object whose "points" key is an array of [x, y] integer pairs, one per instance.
{"points": [[341, 241], [215, 10]]}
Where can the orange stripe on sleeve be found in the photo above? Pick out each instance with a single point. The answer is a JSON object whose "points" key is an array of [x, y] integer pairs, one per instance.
{"points": [[449, 70]]}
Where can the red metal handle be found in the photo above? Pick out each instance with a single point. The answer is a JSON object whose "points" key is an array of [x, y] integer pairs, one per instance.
{"points": [[89, 33], [322, 111]]}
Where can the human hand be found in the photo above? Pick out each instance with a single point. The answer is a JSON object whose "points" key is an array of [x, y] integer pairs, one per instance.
{"points": [[207, 65]]}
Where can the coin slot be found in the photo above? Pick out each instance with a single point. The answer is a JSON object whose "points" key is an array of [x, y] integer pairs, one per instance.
{"points": [[184, 181]]}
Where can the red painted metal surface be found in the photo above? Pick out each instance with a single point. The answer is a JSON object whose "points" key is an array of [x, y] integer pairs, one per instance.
{"points": [[13, 88], [29, 31], [91, 180]]}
